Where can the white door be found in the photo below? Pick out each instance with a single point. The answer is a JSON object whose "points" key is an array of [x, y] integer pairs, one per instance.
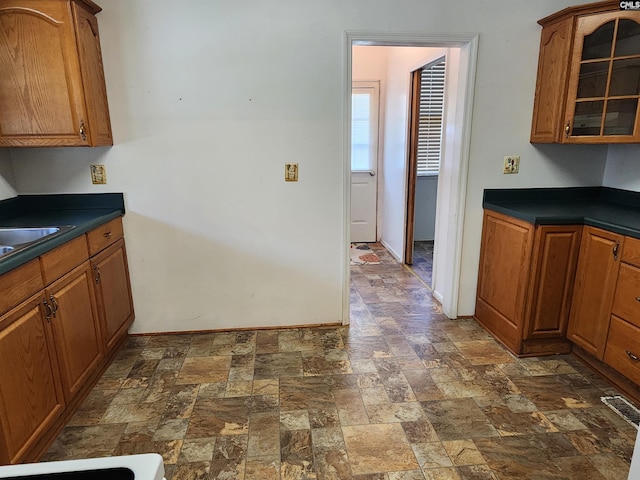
{"points": [[364, 161]]}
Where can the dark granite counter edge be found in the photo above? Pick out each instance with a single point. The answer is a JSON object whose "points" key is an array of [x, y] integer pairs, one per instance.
{"points": [[571, 194], [26, 204], [95, 209], [518, 203], [512, 211]]}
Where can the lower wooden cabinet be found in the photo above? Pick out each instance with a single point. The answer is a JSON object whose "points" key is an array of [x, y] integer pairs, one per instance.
{"points": [[113, 292], [594, 289], [55, 344], [32, 398], [525, 283], [76, 331], [546, 289]]}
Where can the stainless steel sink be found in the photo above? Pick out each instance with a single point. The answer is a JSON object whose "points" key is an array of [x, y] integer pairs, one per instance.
{"points": [[16, 239]]}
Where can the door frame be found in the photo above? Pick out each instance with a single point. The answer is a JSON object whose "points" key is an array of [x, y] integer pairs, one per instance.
{"points": [[454, 184], [412, 164]]}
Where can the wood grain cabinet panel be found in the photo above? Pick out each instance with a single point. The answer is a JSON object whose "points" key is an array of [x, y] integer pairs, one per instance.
{"points": [[549, 102], [551, 284], [631, 251], [20, 283], [594, 289], [525, 283], [505, 256], [113, 292], [63, 259], [623, 349], [101, 237], [52, 90], [93, 82], [626, 302], [31, 391], [587, 85], [75, 327]]}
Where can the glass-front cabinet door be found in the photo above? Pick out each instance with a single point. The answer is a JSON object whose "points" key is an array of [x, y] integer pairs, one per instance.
{"points": [[604, 84]]}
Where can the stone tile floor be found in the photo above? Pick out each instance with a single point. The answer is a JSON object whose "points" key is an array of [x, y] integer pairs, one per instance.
{"points": [[403, 394], [423, 260]]}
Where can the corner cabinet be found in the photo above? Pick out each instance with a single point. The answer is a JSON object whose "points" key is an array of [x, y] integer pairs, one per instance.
{"points": [[52, 86], [588, 83], [525, 283]]}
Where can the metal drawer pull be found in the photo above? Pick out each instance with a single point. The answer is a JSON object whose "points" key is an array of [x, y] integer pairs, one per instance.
{"points": [[638, 299], [632, 356], [54, 303], [107, 235], [616, 247], [49, 309], [82, 132]]}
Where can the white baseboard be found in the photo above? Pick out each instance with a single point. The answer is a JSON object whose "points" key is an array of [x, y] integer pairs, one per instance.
{"points": [[393, 253], [438, 296]]}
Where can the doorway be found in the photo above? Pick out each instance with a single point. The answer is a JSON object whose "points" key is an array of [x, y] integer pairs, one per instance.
{"points": [[392, 169], [425, 126], [365, 96]]}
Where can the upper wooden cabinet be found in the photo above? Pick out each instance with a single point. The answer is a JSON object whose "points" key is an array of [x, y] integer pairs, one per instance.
{"points": [[588, 84], [52, 88]]}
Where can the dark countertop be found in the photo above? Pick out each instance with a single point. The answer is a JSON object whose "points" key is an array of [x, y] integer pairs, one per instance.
{"points": [[84, 211], [608, 208]]}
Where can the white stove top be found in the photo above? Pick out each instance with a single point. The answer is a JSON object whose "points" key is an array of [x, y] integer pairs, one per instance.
{"points": [[148, 466]]}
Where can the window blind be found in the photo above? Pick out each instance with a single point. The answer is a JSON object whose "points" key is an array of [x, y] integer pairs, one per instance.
{"points": [[430, 117]]}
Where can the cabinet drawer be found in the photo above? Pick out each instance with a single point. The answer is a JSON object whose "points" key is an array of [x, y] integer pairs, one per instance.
{"points": [[631, 251], [622, 345], [20, 283], [63, 259], [104, 235], [626, 303]]}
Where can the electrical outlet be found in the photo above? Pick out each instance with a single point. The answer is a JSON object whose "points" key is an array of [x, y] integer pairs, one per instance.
{"points": [[511, 164], [290, 172], [98, 174]]}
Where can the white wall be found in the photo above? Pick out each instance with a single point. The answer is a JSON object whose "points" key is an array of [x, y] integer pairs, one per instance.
{"points": [[209, 99], [7, 175], [400, 63], [623, 167], [425, 208]]}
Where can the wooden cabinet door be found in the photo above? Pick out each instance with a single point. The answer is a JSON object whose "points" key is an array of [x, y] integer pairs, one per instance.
{"points": [[41, 97], [595, 285], [505, 258], [113, 292], [549, 103], [30, 389], [88, 40], [604, 84], [75, 327], [553, 270]]}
